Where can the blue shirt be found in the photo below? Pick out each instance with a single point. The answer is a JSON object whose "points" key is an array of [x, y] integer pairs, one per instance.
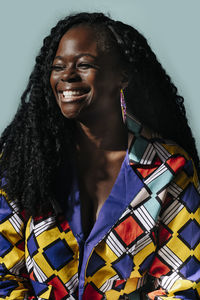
{"points": [[122, 193]]}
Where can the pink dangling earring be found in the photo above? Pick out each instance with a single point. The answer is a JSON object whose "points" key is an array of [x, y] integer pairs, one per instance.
{"points": [[123, 105]]}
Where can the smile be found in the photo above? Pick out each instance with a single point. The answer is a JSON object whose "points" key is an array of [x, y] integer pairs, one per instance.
{"points": [[72, 95]]}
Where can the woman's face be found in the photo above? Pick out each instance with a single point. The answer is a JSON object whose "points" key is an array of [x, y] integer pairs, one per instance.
{"points": [[85, 80]]}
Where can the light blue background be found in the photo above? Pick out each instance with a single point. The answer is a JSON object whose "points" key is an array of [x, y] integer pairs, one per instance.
{"points": [[171, 27]]}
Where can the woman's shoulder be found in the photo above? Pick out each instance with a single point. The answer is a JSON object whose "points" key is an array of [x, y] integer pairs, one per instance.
{"points": [[149, 150]]}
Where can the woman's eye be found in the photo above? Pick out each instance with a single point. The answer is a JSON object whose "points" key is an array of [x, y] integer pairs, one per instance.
{"points": [[84, 66], [57, 67]]}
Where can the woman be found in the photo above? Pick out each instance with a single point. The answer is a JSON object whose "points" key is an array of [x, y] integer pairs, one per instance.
{"points": [[108, 208]]}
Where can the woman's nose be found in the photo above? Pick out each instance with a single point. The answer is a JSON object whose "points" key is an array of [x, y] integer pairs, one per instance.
{"points": [[70, 75]]}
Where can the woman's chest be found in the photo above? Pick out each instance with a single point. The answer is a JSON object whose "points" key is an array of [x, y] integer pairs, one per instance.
{"points": [[95, 186], [59, 261]]}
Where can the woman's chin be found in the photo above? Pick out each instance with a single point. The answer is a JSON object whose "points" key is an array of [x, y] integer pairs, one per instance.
{"points": [[76, 108], [70, 114], [71, 110]]}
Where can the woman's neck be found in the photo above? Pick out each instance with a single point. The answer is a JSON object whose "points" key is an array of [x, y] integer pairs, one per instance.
{"points": [[102, 135]]}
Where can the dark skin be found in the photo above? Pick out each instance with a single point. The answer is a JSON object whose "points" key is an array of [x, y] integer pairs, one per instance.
{"points": [[86, 83]]}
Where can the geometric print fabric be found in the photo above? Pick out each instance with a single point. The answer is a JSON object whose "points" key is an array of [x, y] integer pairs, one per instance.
{"points": [[49, 264], [166, 260], [156, 238]]}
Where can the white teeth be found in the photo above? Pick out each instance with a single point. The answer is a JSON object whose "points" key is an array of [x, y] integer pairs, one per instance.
{"points": [[72, 93]]}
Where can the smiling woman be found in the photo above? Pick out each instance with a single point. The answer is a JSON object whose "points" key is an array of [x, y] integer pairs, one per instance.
{"points": [[83, 77], [99, 174]]}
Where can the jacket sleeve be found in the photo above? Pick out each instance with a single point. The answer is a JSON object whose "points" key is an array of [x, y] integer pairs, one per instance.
{"points": [[176, 265], [13, 278]]}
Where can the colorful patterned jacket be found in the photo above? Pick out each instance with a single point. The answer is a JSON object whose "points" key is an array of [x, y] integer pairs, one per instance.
{"points": [[145, 241]]}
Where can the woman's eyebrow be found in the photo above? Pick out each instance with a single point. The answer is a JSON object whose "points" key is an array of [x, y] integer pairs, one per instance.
{"points": [[78, 56], [86, 54]]}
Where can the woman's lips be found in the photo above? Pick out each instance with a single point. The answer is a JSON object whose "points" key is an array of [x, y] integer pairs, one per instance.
{"points": [[72, 95]]}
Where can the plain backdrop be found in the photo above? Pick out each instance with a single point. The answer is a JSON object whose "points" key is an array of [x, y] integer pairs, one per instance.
{"points": [[171, 27]]}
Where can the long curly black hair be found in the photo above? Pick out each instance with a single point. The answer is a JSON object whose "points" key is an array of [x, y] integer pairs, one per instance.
{"points": [[34, 144]]}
